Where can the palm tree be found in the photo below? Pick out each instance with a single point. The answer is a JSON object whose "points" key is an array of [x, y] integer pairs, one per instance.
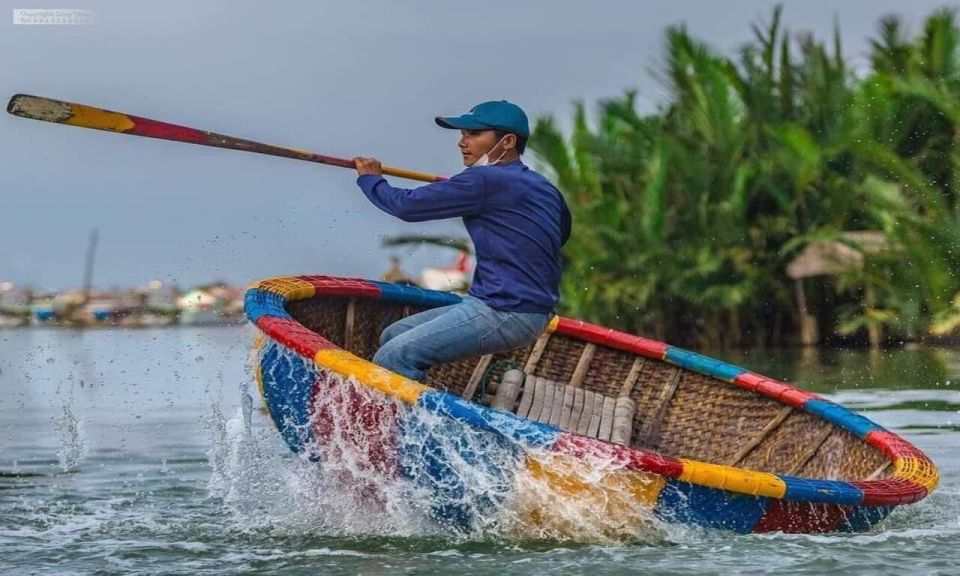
{"points": [[685, 219]]}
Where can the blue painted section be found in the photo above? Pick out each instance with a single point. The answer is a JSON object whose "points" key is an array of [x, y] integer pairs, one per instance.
{"points": [[862, 518], [257, 303], [703, 364], [852, 422], [709, 507], [510, 425], [833, 491], [466, 472], [415, 296], [288, 381], [727, 372]]}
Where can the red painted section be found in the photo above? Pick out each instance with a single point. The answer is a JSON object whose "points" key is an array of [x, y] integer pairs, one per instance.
{"points": [[591, 449], [639, 345], [293, 335], [893, 446], [155, 129], [797, 397], [780, 391], [611, 338], [330, 286], [891, 491], [355, 433], [590, 332], [801, 517]]}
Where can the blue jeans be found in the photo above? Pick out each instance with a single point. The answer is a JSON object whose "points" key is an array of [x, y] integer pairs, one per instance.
{"points": [[471, 328]]}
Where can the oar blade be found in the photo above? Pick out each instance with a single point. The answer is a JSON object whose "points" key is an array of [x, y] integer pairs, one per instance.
{"points": [[60, 112], [80, 115], [36, 108]]}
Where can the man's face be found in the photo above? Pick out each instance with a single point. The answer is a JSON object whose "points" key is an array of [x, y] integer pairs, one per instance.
{"points": [[475, 143]]}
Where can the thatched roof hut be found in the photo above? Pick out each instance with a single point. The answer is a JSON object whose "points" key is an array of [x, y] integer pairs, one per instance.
{"points": [[829, 258], [833, 257]]}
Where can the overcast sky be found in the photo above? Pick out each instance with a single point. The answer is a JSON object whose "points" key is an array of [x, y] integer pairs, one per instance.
{"points": [[340, 78]]}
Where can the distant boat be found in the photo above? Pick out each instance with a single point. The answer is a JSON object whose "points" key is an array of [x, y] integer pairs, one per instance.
{"points": [[209, 306], [455, 278], [587, 416], [200, 317], [42, 312]]}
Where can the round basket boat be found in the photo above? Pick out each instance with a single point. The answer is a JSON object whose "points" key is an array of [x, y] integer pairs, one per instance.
{"points": [[694, 439]]}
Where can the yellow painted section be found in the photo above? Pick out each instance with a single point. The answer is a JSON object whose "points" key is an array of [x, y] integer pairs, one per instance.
{"points": [[733, 479], [288, 287], [916, 470], [371, 375], [575, 478], [258, 343], [96, 118], [561, 496], [554, 322]]}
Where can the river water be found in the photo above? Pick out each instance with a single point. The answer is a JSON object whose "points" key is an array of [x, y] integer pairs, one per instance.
{"points": [[133, 452]]}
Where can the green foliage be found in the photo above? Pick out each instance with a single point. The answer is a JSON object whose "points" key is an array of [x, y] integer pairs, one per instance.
{"points": [[685, 220]]}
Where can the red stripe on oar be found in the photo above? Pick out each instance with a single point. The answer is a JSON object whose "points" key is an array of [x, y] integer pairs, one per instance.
{"points": [[294, 336], [329, 286], [611, 338], [640, 460], [155, 129]]}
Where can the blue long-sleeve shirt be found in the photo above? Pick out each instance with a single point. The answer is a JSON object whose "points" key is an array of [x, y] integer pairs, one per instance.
{"points": [[517, 220]]}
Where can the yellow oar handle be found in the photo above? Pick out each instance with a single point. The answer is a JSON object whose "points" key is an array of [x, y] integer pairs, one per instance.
{"points": [[411, 174]]}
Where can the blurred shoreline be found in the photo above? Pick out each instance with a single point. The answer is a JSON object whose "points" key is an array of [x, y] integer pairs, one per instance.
{"points": [[156, 304]]}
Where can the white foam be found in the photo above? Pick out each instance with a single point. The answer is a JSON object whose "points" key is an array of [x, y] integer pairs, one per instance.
{"points": [[352, 489]]}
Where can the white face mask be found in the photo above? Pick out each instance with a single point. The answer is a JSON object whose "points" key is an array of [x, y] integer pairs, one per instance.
{"points": [[485, 159]]}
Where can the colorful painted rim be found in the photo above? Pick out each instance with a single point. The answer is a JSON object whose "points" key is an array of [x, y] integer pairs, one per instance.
{"points": [[913, 477]]}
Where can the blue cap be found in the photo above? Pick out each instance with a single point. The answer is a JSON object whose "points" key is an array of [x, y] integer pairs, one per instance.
{"points": [[492, 115]]}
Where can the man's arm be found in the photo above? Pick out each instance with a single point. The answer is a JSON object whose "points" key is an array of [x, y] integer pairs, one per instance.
{"points": [[461, 195]]}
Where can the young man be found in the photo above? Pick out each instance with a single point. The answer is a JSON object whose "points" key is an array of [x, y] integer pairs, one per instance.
{"points": [[518, 222]]}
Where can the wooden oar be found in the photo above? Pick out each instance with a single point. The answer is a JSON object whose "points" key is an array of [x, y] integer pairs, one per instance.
{"points": [[60, 112]]}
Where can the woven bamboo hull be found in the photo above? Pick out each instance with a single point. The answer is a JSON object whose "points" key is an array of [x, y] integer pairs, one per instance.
{"points": [[709, 443]]}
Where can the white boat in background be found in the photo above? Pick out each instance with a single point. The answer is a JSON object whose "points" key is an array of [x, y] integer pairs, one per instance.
{"points": [[213, 305], [455, 278]]}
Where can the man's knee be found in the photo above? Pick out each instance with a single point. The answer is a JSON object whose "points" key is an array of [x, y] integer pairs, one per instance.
{"points": [[390, 332], [398, 358], [381, 357]]}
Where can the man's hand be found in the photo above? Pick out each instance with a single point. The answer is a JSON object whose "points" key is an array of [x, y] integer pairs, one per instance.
{"points": [[368, 166]]}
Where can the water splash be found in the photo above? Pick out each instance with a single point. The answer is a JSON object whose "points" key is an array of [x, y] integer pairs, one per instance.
{"points": [[72, 451], [369, 465]]}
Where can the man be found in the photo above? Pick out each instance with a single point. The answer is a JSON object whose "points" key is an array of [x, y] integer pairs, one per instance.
{"points": [[518, 222]]}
